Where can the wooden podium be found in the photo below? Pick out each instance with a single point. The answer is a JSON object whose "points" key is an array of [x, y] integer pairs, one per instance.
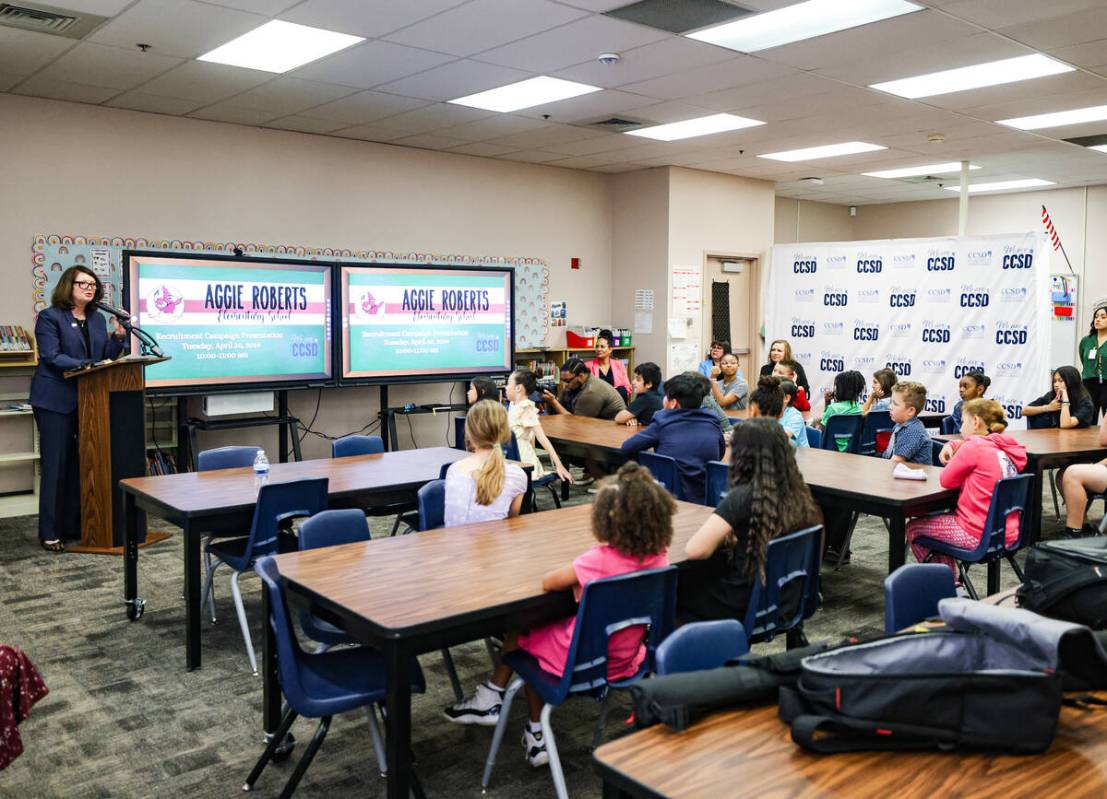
{"points": [[112, 446]]}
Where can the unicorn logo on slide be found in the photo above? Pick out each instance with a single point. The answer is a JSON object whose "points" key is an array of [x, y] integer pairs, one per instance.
{"points": [[165, 304], [368, 306]]}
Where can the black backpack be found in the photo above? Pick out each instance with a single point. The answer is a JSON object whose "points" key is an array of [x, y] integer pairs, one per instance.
{"points": [[1068, 580]]}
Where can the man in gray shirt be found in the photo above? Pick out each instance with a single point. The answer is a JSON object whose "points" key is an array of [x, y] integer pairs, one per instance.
{"points": [[584, 395]]}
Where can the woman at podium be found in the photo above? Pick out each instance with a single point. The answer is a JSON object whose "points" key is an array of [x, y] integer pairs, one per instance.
{"points": [[70, 335]]}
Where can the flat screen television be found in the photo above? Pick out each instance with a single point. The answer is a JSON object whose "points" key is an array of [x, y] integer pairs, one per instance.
{"points": [[230, 323], [403, 323]]}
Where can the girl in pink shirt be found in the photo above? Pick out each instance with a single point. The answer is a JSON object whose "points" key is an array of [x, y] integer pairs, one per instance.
{"points": [[982, 457]]}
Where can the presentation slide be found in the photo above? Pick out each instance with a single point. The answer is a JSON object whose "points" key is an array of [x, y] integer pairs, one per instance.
{"points": [[412, 323], [232, 323]]}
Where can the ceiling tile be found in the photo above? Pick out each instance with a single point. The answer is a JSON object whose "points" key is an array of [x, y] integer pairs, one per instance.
{"points": [[542, 138], [598, 6], [790, 87], [997, 13], [205, 83], [362, 18], [649, 61], [493, 127], [64, 90], [113, 67], [229, 111], [1067, 83], [1030, 106], [266, 8], [176, 27], [371, 132], [580, 163], [7, 80], [371, 64], [303, 124], [23, 52], [587, 107], [714, 77], [575, 43], [429, 141], [613, 169], [531, 156], [137, 101], [103, 8], [1089, 55], [484, 24], [434, 117], [671, 111], [364, 107], [604, 143], [1063, 31], [286, 96], [483, 149], [458, 79]]}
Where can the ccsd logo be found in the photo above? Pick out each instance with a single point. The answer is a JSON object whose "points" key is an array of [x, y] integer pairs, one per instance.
{"points": [[898, 364], [933, 366], [934, 333], [804, 264], [966, 365], [805, 295], [835, 261], [1012, 407], [864, 332], [1008, 368], [975, 331], [978, 257], [940, 261], [939, 295], [1017, 258], [803, 328], [899, 329], [835, 298], [1011, 334], [868, 295], [1020, 294], [974, 297], [834, 328], [908, 261], [864, 363], [832, 362], [869, 263], [936, 404], [901, 298]]}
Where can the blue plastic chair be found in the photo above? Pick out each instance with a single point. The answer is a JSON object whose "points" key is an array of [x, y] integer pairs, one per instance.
{"points": [[371, 445], [718, 474], [875, 422], [814, 438], [459, 433], [644, 598], [911, 594], [701, 645], [1012, 495], [790, 592], [319, 685], [949, 427], [841, 426], [431, 500], [277, 503], [664, 470], [935, 451], [329, 528]]}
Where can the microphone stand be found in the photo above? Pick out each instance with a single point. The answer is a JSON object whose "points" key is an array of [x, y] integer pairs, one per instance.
{"points": [[148, 345]]}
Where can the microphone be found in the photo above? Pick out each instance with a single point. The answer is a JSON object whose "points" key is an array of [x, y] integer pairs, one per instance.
{"points": [[124, 317]]}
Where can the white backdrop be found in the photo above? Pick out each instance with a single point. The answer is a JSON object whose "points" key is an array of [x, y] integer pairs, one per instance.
{"points": [[930, 309]]}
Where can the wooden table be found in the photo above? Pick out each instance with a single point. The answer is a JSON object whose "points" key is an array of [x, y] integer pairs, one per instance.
{"points": [[749, 752], [583, 436], [221, 502], [419, 593], [932, 419], [1050, 448]]}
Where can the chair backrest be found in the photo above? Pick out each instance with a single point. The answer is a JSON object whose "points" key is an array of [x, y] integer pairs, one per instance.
{"points": [[935, 451], [1040, 421], [226, 458], [445, 467], [333, 527], [511, 449], [1012, 495], [664, 470], [432, 505], [875, 421], [949, 426], [701, 645], [911, 594], [278, 502], [718, 473], [609, 605], [843, 428], [814, 438], [357, 445], [459, 433], [290, 657], [790, 591]]}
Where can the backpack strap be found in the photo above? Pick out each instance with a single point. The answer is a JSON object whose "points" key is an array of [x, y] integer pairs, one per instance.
{"points": [[831, 734], [1053, 591]]}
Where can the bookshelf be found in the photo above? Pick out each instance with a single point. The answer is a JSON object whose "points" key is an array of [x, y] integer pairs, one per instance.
{"points": [[546, 362], [161, 435], [18, 348], [19, 452]]}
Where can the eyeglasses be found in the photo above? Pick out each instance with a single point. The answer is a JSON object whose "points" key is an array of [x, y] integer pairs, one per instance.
{"points": [[84, 284]]}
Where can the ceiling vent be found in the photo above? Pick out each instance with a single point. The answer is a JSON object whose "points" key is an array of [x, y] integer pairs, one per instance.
{"points": [[48, 19], [614, 123], [680, 16]]}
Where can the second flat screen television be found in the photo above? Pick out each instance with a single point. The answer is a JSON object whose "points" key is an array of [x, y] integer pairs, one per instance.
{"points": [[408, 323]]}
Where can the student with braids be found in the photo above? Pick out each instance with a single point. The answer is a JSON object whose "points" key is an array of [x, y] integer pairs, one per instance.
{"points": [[848, 386], [484, 487], [632, 520], [767, 499]]}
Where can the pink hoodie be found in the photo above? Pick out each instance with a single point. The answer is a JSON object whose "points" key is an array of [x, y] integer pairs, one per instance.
{"points": [[977, 465]]}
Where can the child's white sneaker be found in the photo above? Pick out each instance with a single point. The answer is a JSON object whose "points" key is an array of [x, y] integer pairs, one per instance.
{"points": [[534, 746], [482, 708]]}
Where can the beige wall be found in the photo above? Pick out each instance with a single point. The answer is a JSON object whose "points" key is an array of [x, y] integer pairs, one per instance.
{"points": [[81, 169], [804, 220]]}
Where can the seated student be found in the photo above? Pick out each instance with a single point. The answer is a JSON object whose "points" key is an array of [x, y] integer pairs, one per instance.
{"points": [[632, 521], [982, 457], [792, 420], [767, 499], [910, 442], [767, 399], [482, 388], [843, 399], [647, 396], [788, 370], [709, 403], [522, 418], [685, 431], [972, 385], [728, 386], [715, 354], [880, 397], [586, 395], [1077, 481], [483, 486], [1068, 404]]}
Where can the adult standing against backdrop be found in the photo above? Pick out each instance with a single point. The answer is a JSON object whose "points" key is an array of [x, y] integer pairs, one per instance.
{"points": [[610, 370], [1093, 358], [70, 335], [781, 350]]}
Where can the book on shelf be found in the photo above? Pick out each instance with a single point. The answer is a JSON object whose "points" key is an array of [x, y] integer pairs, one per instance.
{"points": [[14, 338], [161, 463]]}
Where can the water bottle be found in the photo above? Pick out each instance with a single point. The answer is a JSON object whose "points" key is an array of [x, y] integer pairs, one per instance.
{"points": [[261, 470]]}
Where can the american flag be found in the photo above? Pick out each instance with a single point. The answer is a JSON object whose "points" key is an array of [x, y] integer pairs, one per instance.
{"points": [[1050, 229]]}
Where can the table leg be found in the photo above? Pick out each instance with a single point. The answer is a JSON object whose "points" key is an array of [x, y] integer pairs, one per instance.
{"points": [[398, 728], [192, 597], [897, 541], [135, 606], [993, 577], [1035, 467], [271, 705]]}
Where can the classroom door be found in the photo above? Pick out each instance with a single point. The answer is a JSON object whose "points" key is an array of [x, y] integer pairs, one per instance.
{"points": [[732, 277]]}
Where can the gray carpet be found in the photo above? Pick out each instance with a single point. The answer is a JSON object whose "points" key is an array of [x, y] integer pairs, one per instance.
{"points": [[124, 719]]}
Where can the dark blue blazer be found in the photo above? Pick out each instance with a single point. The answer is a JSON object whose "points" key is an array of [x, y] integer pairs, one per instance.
{"points": [[61, 347]]}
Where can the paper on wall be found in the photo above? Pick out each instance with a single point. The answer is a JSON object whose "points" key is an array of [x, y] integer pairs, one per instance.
{"points": [[643, 299], [683, 358], [678, 327], [101, 262], [643, 321]]}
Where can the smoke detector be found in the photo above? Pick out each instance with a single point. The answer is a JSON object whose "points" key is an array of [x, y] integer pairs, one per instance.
{"points": [[811, 181], [936, 138], [608, 59]]}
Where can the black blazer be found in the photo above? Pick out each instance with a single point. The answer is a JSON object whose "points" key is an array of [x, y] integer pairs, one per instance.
{"points": [[61, 347]]}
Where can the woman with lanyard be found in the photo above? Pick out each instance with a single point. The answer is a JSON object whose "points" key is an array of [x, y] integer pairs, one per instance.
{"points": [[1093, 357], [71, 334]]}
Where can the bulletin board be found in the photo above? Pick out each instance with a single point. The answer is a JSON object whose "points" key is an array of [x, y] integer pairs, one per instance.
{"points": [[103, 255]]}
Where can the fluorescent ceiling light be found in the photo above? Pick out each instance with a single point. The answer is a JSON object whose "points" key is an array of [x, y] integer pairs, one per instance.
{"points": [[800, 21], [701, 126], [1101, 147], [993, 73], [826, 151], [914, 171], [279, 46], [526, 94], [1075, 117], [1003, 185]]}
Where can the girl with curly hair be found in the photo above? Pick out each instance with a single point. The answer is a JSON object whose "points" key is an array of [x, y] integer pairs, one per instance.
{"points": [[632, 520], [767, 499]]}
